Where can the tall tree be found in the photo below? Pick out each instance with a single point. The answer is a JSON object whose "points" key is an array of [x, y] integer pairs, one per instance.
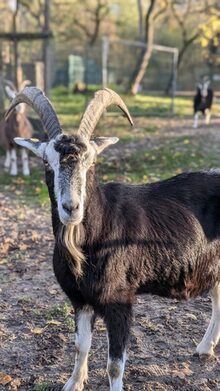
{"points": [[140, 19], [85, 22], [210, 37], [155, 9]]}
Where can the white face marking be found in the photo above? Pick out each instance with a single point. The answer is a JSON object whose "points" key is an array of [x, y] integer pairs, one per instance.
{"points": [[212, 334], [83, 344], [69, 158], [69, 186], [204, 89]]}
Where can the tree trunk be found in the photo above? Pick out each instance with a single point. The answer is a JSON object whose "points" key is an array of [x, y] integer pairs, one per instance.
{"points": [[180, 59], [46, 48], [1, 85], [15, 45], [140, 19], [145, 55]]}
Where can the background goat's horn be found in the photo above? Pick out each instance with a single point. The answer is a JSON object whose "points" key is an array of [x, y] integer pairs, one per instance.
{"points": [[9, 84], [96, 107], [35, 98]]}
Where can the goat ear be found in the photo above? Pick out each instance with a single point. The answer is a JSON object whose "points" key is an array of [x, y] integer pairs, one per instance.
{"points": [[33, 145], [101, 143]]}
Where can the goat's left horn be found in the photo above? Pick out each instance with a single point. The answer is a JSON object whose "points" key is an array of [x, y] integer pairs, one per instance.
{"points": [[35, 98], [100, 102]]}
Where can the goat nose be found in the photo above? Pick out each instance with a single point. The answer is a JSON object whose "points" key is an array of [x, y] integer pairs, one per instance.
{"points": [[70, 207]]}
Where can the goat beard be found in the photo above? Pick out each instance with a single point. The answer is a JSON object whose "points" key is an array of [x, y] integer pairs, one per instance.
{"points": [[71, 238]]}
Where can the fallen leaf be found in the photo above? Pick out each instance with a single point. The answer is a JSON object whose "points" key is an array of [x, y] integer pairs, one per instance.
{"points": [[15, 384], [38, 330], [5, 379], [55, 322], [23, 246], [62, 337]]}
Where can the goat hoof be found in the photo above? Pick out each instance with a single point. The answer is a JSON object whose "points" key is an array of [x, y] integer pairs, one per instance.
{"points": [[205, 351], [73, 385]]}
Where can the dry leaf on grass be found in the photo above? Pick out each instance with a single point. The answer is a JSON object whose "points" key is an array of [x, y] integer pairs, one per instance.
{"points": [[53, 321]]}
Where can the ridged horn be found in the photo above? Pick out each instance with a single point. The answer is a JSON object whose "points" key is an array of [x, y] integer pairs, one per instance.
{"points": [[35, 98], [100, 102]]}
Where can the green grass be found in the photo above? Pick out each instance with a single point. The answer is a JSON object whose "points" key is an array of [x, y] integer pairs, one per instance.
{"points": [[27, 189], [173, 157], [43, 387], [70, 107]]}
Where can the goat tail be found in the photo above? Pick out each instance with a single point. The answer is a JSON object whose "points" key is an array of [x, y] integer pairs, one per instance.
{"points": [[71, 238]]}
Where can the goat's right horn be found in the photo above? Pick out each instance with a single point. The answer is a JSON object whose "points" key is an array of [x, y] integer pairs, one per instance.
{"points": [[100, 102], [35, 98]]}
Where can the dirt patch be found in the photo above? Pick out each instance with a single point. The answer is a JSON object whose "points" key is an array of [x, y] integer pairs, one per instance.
{"points": [[36, 329]]}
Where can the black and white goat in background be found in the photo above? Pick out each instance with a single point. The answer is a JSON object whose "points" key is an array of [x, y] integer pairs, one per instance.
{"points": [[203, 102], [115, 241], [17, 125]]}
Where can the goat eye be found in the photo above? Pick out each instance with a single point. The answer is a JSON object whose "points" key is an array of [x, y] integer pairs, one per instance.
{"points": [[46, 164]]}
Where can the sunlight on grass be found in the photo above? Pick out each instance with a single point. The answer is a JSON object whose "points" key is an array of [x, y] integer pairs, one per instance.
{"points": [[69, 105], [27, 189], [180, 154]]}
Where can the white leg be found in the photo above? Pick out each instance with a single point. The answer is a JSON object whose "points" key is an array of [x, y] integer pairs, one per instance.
{"points": [[25, 163], [212, 334], [207, 116], [115, 373], [7, 162], [196, 118], [84, 324], [14, 168]]}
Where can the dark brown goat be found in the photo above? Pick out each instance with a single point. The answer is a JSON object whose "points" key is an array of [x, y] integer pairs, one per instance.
{"points": [[115, 241]]}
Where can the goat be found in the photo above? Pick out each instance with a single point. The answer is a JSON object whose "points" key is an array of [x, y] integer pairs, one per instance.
{"points": [[203, 102], [115, 241], [17, 125]]}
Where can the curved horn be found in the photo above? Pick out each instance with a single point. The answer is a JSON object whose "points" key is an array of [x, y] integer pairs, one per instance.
{"points": [[35, 98], [100, 102]]}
